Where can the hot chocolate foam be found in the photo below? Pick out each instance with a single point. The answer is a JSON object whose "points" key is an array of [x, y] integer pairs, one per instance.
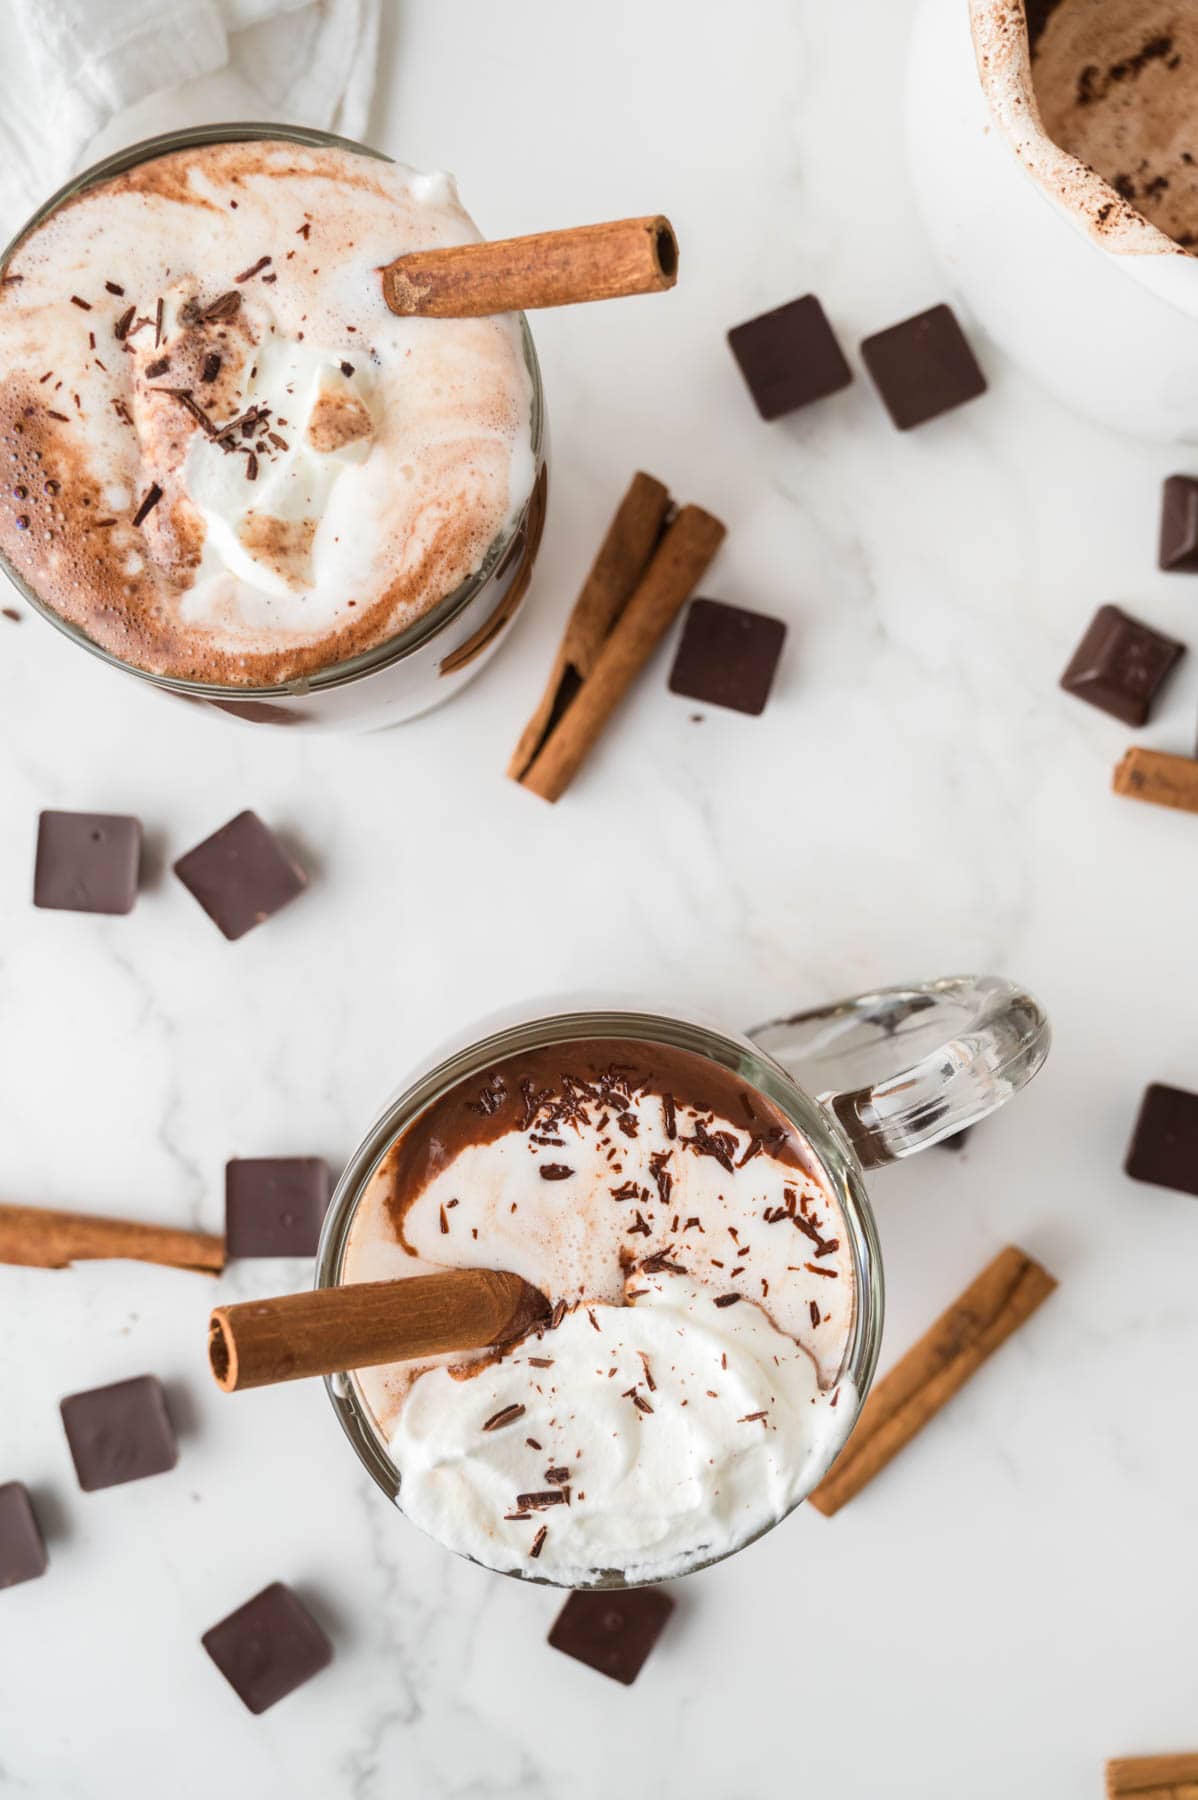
{"points": [[1117, 86], [223, 458], [690, 1387]]}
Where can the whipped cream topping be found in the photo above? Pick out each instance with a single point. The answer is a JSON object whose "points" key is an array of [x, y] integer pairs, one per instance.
{"points": [[225, 459], [689, 1388], [643, 1437]]}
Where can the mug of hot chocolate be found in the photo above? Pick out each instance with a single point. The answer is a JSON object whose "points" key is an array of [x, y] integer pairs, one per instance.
{"points": [[1055, 156], [687, 1209], [229, 467]]}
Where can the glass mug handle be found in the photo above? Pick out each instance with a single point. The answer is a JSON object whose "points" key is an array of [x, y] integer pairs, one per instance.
{"points": [[906, 1067]]}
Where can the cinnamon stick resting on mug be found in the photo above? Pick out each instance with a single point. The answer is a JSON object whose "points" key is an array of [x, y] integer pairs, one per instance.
{"points": [[1152, 1778], [1006, 1293], [645, 570], [40, 1239], [549, 268], [365, 1323]]}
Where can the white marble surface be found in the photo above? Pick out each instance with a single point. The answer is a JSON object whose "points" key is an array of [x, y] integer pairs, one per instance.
{"points": [[1013, 1601]]}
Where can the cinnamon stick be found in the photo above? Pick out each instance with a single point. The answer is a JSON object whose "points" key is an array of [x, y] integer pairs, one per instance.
{"points": [[365, 1323], [549, 268], [39, 1239], [622, 559], [675, 568], [1006, 1293], [1153, 1777], [1157, 777]]}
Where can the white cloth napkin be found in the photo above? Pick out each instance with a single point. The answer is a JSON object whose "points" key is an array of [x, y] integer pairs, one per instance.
{"points": [[71, 68]]}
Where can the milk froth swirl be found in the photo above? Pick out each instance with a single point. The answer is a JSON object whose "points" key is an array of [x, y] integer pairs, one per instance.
{"points": [[690, 1386], [221, 456]]}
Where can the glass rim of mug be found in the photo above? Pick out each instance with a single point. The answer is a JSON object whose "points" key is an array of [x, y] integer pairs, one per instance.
{"points": [[415, 635], [837, 1162]]}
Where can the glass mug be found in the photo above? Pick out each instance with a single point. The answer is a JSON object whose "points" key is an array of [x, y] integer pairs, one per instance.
{"points": [[432, 658], [866, 1081]]}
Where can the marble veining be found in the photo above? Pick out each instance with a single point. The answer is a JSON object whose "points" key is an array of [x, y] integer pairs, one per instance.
{"points": [[1008, 1605]]}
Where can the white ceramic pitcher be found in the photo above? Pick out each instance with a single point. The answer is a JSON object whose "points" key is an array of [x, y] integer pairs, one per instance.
{"points": [[1081, 289]]}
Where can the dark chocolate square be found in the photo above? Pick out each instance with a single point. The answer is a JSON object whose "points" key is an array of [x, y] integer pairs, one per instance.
{"points": [[268, 1647], [241, 875], [727, 656], [789, 357], [22, 1552], [87, 862], [119, 1433], [1179, 524], [275, 1205], [1164, 1144], [1120, 665], [612, 1631], [923, 367]]}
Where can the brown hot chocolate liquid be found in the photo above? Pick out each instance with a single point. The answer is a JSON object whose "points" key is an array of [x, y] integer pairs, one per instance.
{"points": [[1117, 86]]}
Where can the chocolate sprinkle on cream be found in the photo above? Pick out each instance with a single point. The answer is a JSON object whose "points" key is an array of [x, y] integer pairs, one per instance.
{"points": [[114, 287], [507, 1415], [247, 274], [211, 368], [86, 305], [538, 1543], [222, 308], [536, 1502], [153, 496], [556, 1171], [726, 1300], [120, 330]]}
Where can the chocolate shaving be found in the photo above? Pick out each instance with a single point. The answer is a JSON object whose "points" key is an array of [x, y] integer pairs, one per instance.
{"points": [[222, 308], [303, 230], [347, 369], [538, 1543], [120, 329], [558, 1475], [536, 1502], [660, 1260], [507, 1415], [281, 444], [726, 1300], [211, 368], [158, 315], [649, 1381], [557, 1315], [251, 467], [592, 1318], [51, 414], [248, 274], [86, 305], [813, 1309], [718, 1144], [158, 368], [532, 1443], [517, 1515], [540, 1362], [183, 396], [815, 1269], [555, 1171], [753, 1148], [152, 497], [751, 1418], [444, 1223], [114, 287], [669, 1115], [638, 1400]]}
